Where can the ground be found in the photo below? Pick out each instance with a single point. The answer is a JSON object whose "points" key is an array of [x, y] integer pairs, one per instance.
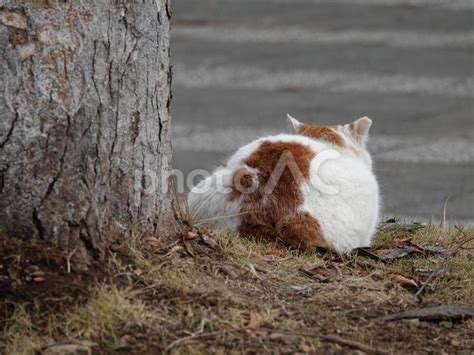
{"points": [[213, 292]]}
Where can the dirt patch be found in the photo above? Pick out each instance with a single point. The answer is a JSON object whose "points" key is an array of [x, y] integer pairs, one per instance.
{"points": [[36, 275]]}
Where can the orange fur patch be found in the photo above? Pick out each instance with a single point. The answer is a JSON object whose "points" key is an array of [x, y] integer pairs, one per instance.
{"points": [[300, 230], [271, 213], [242, 182], [321, 132]]}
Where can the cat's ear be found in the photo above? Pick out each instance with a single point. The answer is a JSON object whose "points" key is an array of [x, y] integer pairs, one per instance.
{"points": [[359, 129], [293, 123]]}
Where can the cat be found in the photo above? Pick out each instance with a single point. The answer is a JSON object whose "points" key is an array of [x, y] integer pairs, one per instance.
{"points": [[312, 188]]}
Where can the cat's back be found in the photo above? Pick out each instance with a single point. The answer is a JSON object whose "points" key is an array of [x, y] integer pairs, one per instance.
{"points": [[296, 144]]}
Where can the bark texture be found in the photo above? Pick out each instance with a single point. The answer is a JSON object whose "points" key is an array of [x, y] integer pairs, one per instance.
{"points": [[84, 120]]}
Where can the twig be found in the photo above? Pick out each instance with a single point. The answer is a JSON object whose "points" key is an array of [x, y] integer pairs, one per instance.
{"points": [[402, 227], [201, 335], [327, 338], [447, 258], [433, 313], [352, 344], [254, 271], [68, 261], [339, 340]]}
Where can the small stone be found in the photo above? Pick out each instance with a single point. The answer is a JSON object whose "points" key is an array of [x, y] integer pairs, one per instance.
{"points": [[210, 242], [456, 343]]}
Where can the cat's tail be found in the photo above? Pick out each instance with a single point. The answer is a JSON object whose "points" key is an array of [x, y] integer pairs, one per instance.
{"points": [[210, 201]]}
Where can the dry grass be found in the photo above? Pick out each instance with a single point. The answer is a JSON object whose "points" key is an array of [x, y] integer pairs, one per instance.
{"points": [[20, 334], [109, 314], [194, 298]]}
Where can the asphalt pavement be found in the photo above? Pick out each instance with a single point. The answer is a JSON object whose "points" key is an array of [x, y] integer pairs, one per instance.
{"points": [[241, 65]]}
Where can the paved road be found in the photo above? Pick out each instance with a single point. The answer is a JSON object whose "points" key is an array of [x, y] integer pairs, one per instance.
{"points": [[240, 65]]}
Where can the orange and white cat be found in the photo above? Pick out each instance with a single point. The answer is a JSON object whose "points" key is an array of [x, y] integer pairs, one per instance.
{"points": [[313, 188]]}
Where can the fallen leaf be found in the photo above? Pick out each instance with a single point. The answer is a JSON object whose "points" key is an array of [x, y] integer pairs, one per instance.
{"points": [[153, 242], [286, 349], [405, 248], [323, 273], [307, 347], [38, 273], [317, 273], [404, 281], [255, 320], [138, 272], [400, 252], [190, 235], [366, 252], [39, 279]]}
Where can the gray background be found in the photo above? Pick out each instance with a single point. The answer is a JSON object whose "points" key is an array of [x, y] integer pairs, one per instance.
{"points": [[240, 65]]}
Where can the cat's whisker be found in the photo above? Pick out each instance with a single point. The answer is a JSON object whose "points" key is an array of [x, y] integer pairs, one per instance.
{"points": [[202, 221], [200, 206]]}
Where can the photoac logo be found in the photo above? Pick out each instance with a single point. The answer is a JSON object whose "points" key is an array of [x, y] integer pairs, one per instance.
{"points": [[241, 178]]}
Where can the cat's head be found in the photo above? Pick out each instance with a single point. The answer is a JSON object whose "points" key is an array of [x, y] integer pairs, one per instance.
{"points": [[352, 136]]}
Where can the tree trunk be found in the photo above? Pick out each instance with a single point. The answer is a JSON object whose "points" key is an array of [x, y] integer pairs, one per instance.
{"points": [[85, 126]]}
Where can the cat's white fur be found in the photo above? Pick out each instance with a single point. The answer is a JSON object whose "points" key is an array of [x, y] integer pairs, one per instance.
{"points": [[348, 212]]}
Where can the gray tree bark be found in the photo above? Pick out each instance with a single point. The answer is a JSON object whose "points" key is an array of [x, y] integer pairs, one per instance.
{"points": [[84, 121]]}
